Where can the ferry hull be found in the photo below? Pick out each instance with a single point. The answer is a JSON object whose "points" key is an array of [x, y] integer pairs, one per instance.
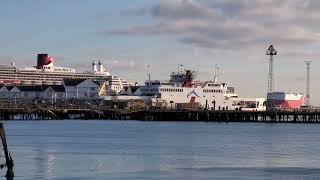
{"points": [[285, 100], [288, 104]]}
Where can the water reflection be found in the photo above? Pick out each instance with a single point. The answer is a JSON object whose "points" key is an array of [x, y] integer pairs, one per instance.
{"points": [[9, 178], [163, 150], [46, 162]]}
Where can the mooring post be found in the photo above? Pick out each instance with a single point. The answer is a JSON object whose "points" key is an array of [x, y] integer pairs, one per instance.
{"points": [[9, 160]]}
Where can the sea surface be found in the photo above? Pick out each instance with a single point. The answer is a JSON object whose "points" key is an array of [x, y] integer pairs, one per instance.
{"points": [[125, 150]]}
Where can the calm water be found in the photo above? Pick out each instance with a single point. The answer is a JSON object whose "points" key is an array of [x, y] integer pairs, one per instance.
{"points": [[163, 150]]}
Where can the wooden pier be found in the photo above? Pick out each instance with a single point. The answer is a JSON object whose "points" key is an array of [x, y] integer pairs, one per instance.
{"points": [[231, 116], [274, 116]]}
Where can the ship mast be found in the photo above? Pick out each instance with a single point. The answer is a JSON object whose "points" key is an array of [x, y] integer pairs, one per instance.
{"points": [[179, 65], [216, 69]]}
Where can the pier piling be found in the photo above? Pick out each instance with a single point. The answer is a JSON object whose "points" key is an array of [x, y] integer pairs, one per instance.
{"points": [[161, 115]]}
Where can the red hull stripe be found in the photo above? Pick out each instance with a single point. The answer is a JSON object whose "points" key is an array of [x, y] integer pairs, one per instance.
{"points": [[292, 104]]}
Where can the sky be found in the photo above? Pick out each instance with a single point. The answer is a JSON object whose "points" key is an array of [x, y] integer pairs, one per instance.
{"points": [[127, 36]]}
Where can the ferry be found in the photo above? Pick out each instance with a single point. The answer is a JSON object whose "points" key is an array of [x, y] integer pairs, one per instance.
{"points": [[45, 73], [182, 90]]}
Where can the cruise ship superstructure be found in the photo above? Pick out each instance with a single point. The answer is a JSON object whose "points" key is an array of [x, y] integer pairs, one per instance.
{"points": [[45, 73]]}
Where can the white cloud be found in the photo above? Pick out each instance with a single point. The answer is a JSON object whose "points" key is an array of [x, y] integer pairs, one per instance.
{"points": [[224, 25], [121, 64], [239, 31]]}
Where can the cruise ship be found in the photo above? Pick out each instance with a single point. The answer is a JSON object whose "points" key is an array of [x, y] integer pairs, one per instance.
{"points": [[182, 89], [45, 73]]}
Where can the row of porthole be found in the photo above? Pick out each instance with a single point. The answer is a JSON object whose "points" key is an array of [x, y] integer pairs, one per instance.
{"points": [[212, 91], [170, 90]]}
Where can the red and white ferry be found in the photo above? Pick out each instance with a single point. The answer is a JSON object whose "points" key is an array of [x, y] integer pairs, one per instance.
{"points": [[183, 89]]}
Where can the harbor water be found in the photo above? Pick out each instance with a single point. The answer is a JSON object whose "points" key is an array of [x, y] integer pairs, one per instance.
{"points": [[123, 150]]}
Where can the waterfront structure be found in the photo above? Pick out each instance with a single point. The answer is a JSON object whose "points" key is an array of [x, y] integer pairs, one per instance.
{"points": [[131, 91], [29, 93], [84, 89], [50, 92], [4, 92], [54, 92], [15, 92], [80, 89], [46, 73], [119, 111]]}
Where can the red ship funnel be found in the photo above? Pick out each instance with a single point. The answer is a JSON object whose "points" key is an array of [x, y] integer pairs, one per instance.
{"points": [[43, 59]]}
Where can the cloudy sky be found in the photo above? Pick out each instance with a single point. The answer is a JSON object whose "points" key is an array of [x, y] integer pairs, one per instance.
{"points": [[129, 35]]}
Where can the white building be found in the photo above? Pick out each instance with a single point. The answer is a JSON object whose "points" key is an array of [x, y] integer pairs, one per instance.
{"points": [[4, 92], [30, 92], [81, 89], [54, 92], [72, 89], [15, 92], [131, 91]]}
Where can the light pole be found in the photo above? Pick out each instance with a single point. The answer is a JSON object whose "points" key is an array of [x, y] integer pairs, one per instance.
{"points": [[308, 83], [271, 51]]}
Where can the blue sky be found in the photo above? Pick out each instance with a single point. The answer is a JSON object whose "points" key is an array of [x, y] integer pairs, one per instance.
{"points": [[128, 35]]}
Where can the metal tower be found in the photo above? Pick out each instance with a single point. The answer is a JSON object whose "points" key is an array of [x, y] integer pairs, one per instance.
{"points": [[308, 83], [149, 79], [271, 52]]}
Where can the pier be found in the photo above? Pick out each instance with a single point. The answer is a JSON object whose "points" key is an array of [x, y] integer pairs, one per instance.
{"points": [[106, 113]]}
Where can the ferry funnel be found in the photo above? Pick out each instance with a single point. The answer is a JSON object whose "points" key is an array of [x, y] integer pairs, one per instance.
{"points": [[94, 67], [101, 69]]}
